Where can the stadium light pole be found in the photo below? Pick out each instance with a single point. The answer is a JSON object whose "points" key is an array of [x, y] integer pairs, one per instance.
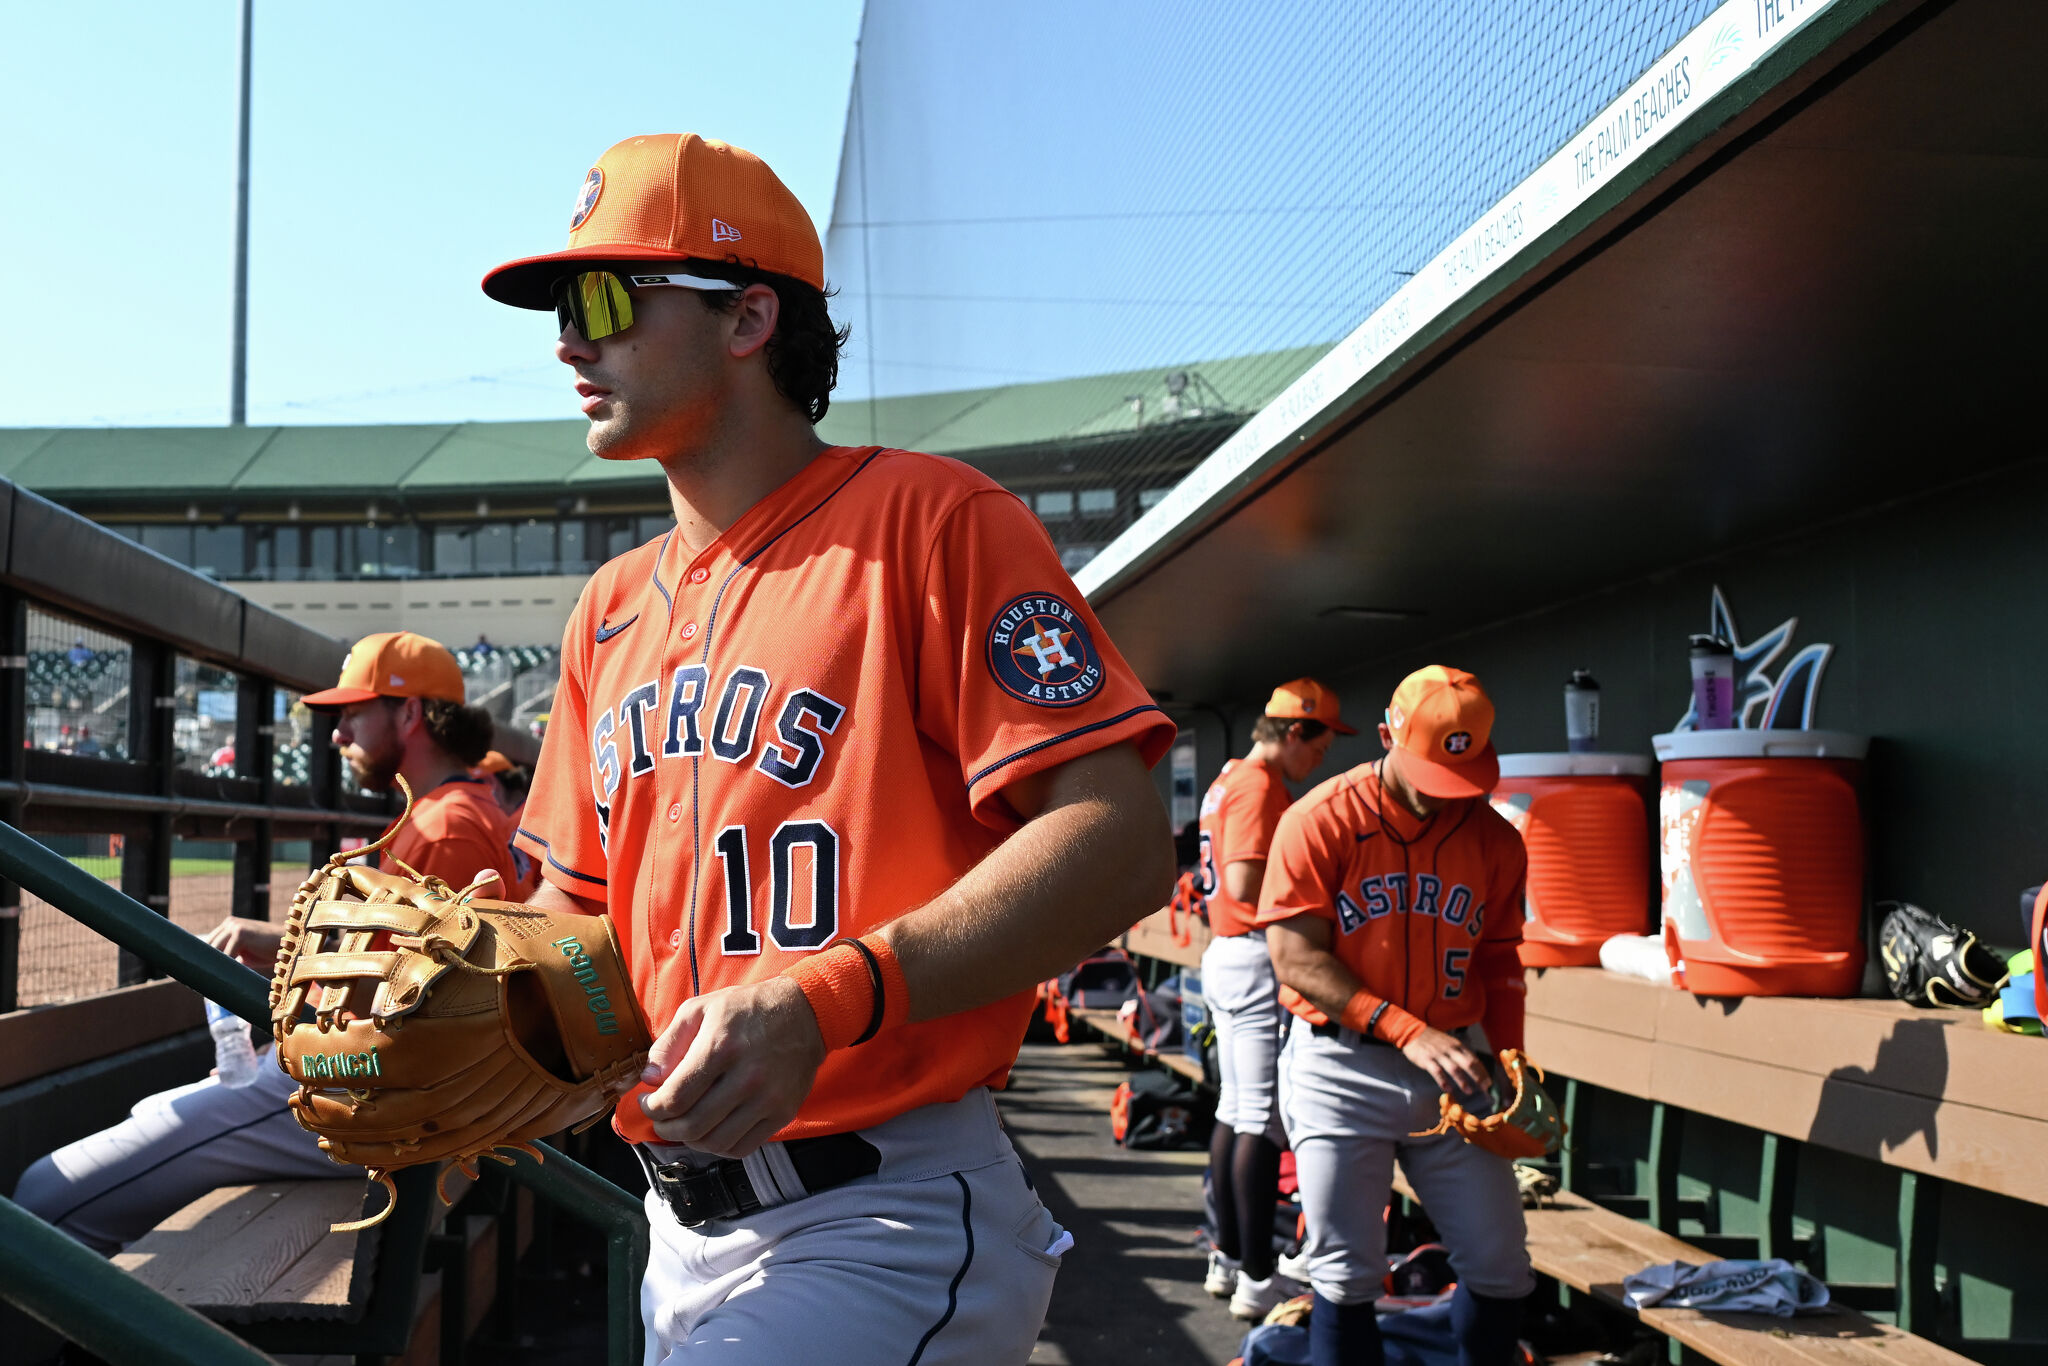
{"points": [[238, 377]]}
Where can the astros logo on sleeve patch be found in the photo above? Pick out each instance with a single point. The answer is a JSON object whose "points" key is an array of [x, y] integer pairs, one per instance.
{"points": [[1040, 652]]}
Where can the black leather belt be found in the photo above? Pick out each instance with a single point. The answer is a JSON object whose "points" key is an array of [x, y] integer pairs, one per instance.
{"points": [[1333, 1030], [722, 1190]]}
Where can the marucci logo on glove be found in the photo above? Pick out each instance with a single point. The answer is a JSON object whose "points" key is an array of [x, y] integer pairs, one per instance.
{"points": [[1039, 651]]}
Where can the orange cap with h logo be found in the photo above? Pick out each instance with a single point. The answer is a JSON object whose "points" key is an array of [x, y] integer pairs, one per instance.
{"points": [[1442, 722], [1307, 700], [673, 197], [394, 664]]}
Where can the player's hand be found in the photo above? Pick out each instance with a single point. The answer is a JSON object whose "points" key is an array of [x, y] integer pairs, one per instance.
{"points": [[733, 1066], [1449, 1063], [249, 941]]}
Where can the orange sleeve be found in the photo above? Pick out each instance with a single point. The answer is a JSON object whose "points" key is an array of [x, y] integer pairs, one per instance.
{"points": [[561, 826], [1252, 811], [1304, 866], [460, 854], [1497, 963], [1014, 673]]}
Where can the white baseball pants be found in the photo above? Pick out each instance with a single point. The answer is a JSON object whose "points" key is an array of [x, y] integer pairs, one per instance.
{"points": [[943, 1257], [1243, 997], [1350, 1107]]}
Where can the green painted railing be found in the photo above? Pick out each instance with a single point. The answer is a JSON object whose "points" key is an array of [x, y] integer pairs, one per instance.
{"points": [[113, 1295], [59, 1280]]}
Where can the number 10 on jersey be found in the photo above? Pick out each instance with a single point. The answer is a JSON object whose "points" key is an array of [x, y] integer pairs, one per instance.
{"points": [[803, 887]]}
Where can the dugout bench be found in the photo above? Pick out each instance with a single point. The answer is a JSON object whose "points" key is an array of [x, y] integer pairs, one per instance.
{"points": [[1877, 1079]]}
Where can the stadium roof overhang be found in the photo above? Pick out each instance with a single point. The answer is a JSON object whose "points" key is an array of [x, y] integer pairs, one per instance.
{"points": [[1819, 291]]}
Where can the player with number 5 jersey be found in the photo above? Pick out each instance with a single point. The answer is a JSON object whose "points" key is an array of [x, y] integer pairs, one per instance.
{"points": [[1392, 903], [851, 767]]}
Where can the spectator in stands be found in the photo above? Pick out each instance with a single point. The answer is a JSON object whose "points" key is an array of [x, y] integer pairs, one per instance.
{"points": [[88, 748], [483, 647], [402, 711], [78, 656]]}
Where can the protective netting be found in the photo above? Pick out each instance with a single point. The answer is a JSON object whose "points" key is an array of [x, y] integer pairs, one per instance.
{"points": [[1184, 205], [77, 684]]}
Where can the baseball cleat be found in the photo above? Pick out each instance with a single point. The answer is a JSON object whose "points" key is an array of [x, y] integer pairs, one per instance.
{"points": [[1253, 1300], [1221, 1277]]}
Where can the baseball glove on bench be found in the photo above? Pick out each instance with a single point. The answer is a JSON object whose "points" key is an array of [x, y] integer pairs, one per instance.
{"points": [[445, 1026], [1530, 1126]]}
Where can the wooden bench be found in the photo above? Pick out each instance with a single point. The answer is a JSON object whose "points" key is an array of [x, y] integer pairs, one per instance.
{"points": [[1933, 1095], [1115, 1030], [1154, 937], [263, 1257], [1591, 1250], [242, 1254]]}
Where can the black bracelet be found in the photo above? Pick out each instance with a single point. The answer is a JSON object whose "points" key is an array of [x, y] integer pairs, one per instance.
{"points": [[1372, 1023], [875, 978]]}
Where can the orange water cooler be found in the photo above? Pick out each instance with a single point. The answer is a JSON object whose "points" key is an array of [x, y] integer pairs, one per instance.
{"points": [[1761, 835], [1587, 830]]}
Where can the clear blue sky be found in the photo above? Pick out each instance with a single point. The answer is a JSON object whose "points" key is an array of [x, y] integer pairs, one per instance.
{"points": [[399, 151]]}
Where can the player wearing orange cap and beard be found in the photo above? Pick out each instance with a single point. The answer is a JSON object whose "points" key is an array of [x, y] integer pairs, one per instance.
{"points": [[1392, 903]]}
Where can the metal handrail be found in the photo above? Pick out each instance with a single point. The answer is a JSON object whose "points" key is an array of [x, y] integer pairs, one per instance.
{"points": [[561, 1180], [54, 794], [80, 1294]]}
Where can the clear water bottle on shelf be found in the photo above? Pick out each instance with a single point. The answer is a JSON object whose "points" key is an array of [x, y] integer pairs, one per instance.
{"points": [[233, 1054]]}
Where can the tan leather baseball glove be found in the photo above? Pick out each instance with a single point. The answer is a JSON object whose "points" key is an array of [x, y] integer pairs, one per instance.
{"points": [[1529, 1126], [445, 1026]]}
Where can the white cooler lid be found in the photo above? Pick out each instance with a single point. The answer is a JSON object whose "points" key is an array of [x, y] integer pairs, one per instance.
{"points": [[1574, 765], [1760, 744]]}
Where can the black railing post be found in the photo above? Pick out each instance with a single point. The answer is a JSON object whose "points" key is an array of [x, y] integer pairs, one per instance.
{"points": [[152, 730], [255, 728], [14, 768]]}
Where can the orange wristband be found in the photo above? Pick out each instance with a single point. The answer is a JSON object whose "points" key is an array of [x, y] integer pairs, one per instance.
{"points": [[1376, 1018], [855, 995]]}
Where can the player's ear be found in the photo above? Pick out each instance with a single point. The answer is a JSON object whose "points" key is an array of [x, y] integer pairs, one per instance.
{"points": [[754, 319], [1386, 737]]}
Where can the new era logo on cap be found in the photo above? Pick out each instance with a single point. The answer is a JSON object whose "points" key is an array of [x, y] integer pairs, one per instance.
{"points": [[722, 231]]}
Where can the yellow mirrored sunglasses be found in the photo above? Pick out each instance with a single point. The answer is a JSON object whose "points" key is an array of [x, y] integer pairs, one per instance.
{"points": [[598, 303]]}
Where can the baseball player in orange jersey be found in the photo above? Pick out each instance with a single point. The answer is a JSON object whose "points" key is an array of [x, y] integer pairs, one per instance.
{"points": [[1239, 812], [850, 765], [401, 699], [1393, 910]]}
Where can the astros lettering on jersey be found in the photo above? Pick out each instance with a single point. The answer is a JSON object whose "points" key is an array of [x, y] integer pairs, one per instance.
{"points": [[1240, 812], [805, 730], [1428, 912]]}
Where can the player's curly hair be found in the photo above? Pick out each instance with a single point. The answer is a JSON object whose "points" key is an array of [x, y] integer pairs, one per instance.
{"points": [[1272, 729], [464, 732], [803, 355]]}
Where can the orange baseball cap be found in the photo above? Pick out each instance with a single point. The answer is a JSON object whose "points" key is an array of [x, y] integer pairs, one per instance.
{"points": [[394, 664], [674, 197], [1442, 722], [492, 762], [1307, 700]]}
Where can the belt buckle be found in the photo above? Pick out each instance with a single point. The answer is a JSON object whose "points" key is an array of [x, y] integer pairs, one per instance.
{"points": [[697, 1195]]}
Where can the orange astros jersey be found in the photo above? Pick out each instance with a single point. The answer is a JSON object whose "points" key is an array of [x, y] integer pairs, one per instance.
{"points": [[805, 730], [1239, 813], [1428, 913], [455, 832]]}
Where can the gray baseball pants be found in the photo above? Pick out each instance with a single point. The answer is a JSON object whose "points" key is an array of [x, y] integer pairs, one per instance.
{"points": [[1350, 1108], [110, 1188], [943, 1257], [1243, 997]]}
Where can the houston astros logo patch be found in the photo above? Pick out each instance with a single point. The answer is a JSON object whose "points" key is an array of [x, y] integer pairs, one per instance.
{"points": [[593, 186], [1458, 741], [1039, 651]]}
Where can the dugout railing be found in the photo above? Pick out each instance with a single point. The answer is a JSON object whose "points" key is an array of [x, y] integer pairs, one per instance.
{"points": [[158, 773], [78, 1309]]}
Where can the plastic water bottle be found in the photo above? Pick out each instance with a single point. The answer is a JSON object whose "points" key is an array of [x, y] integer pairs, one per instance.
{"points": [[1713, 683], [1582, 713], [233, 1054]]}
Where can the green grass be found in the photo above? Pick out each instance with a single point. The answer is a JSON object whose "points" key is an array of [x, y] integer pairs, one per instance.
{"points": [[100, 866]]}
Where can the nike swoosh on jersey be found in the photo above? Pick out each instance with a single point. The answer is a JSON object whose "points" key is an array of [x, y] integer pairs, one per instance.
{"points": [[606, 632]]}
